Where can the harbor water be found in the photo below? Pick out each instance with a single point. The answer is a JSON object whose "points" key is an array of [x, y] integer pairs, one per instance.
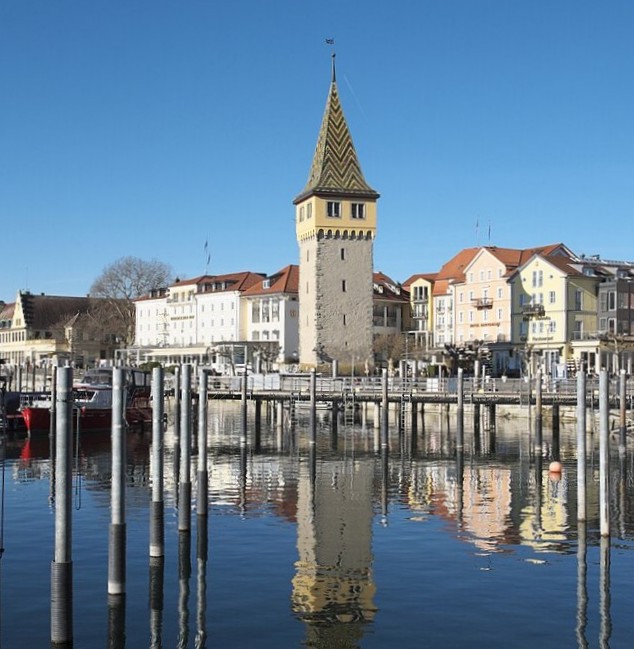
{"points": [[344, 544]]}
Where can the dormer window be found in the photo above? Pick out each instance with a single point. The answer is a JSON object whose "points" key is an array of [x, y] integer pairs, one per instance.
{"points": [[333, 209], [266, 283]]}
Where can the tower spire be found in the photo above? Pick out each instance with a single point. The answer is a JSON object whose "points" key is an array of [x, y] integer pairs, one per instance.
{"points": [[335, 168]]}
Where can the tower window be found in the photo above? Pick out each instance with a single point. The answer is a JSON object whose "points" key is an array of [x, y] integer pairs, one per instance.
{"points": [[309, 210], [333, 209], [343, 285], [343, 254], [357, 210], [301, 213], [344, 319]]}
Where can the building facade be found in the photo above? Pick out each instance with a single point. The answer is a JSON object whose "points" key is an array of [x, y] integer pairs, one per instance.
{"points": [[51, 330]]}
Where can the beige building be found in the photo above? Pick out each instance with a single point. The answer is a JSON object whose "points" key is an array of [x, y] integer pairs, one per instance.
{"points": [[50, 330], [335, 218]]}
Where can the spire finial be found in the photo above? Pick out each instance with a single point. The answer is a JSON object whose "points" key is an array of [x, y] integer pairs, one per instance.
{"points": [[331, 42]]}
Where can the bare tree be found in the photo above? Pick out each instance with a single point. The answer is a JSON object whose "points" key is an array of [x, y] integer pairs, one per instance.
{"points": [[131, 277], [120, 283]]}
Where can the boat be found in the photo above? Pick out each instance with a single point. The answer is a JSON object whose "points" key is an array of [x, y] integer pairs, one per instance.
{"points": [[92, 402]]}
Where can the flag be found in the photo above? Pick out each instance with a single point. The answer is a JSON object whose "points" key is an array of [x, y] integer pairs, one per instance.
{"points": [[330, 41], [207, 253]]}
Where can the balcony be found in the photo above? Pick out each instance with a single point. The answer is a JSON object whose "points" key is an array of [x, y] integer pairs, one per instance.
{"points": [[532, 311], [482, 303]]}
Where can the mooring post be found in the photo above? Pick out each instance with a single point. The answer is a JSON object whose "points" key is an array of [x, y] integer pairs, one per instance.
{"points": [[279, 414], [52, 418], [157, 514], [258, 418], [313, 406], [51, 432], [538, 413], [177, 429], [581, 446], [384, 409], [185, 484], [604, 453], [622, 413], [201, 494], [243, 408], [117, 547], [460, 428], [62, 565]]}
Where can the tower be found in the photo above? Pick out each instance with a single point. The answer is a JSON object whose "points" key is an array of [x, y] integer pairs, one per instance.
{"points": [[335, 218]]}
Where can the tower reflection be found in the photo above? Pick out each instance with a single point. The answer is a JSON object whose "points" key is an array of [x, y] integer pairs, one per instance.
{"points": [[333, 590]]}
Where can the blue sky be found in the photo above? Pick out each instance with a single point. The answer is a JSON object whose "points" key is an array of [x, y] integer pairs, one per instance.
{"points": [[144, 127]]}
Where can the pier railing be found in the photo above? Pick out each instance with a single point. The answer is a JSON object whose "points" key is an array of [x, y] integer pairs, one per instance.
{"points": [[520, 390]]}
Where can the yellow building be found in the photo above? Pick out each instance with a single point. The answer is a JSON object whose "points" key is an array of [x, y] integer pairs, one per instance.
{"points": [[421, 289], [553, 303]]}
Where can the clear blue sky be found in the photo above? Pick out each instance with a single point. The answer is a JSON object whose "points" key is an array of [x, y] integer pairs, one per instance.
{"points": [[142, 127]]}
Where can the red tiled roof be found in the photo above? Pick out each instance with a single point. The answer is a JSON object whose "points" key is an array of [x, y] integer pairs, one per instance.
{"points": [[285, 280], [430, 277], [391, 290], [233, 281]]}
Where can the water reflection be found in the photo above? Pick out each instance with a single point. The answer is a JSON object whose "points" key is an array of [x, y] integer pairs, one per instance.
{"points": [[333, 589], [495, 496]]}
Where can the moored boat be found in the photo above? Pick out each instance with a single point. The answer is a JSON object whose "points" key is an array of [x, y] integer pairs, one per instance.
{"points": [[92, 402]]}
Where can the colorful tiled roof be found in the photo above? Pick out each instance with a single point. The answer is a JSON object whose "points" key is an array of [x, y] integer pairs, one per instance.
{"points": [[335, 169]]}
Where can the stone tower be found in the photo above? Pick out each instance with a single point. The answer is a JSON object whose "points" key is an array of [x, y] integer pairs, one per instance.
{"points": [[335, 217]]}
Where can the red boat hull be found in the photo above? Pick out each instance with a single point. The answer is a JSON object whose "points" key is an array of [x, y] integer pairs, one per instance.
{"points": [[39, 419]]}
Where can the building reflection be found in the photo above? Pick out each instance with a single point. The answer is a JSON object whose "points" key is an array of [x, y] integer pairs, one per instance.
{"points": [[333, 590]]}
